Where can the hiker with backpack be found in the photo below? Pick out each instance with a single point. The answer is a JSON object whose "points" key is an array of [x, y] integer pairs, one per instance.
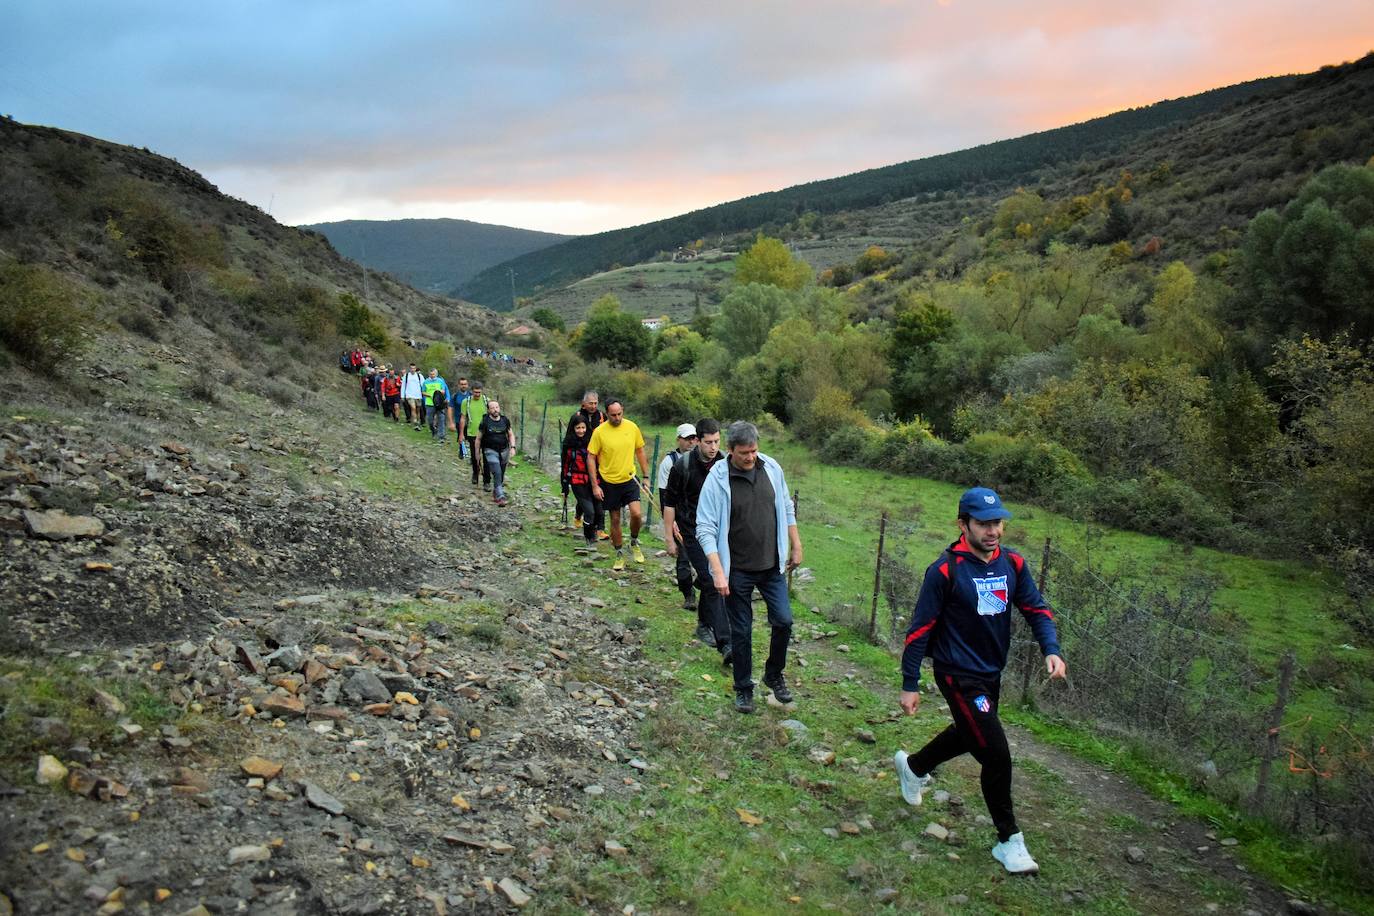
{"points": [[474, 409], [680, 499], [413, 393], [962, 620], [496, 437], [576, 477], [432, 385], [391, 395], [686, 439]]}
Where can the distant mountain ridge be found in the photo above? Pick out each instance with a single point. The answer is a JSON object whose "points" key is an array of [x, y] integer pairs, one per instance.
{"points": [[1004, 163], [435, 255]]}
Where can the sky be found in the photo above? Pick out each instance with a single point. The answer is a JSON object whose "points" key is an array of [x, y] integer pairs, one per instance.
{"points": [[586, 115]]}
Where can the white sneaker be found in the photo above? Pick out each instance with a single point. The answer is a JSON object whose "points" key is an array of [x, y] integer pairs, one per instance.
{"points": [[912, 785], [1014, 856]]}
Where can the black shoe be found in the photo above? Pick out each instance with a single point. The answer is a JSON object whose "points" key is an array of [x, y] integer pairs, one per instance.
{"points": [[779, 688], [726, 658], [706, 637], [744, 701], [688, 603]]}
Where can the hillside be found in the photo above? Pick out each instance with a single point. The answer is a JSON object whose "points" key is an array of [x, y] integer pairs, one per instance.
{"points": [[991, 168], [436, 255], [142, 241]]}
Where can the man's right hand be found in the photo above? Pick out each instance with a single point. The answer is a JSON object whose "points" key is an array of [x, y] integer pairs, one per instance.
{"points": [[598, 493], [910, 701], [671, 547], [721, 583]]}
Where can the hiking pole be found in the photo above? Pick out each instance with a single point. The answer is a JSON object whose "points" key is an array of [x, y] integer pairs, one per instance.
{"points": [[565, 513]]}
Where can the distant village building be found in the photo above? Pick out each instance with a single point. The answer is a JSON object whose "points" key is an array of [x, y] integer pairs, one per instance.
{"points": [[523, 330], [685, 254], [655, 324]]}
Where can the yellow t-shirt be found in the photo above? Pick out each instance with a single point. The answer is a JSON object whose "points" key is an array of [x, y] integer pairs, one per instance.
{"points": [[614, 448]]}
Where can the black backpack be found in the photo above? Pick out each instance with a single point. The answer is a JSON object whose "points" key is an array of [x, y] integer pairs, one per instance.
{"points": [[439, 399]]}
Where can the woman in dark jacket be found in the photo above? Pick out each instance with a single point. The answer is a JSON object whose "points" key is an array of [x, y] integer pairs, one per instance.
{"points": [[577, 477]]}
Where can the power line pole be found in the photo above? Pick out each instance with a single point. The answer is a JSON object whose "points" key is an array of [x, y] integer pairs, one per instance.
{"points": [[511, 270], [363, 242]]}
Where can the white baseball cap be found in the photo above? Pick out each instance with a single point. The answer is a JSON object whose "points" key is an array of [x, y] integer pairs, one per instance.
{"points": [[686, 431]]}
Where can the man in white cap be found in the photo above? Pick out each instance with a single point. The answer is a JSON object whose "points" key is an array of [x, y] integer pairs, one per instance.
{"points": [[686, 440]]}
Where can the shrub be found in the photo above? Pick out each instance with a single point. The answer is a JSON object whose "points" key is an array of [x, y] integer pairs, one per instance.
{"points": [[769, 426], [851, 444], [1024, 467], [438, 356], [572, 377], [43, 318], [678, 401]]}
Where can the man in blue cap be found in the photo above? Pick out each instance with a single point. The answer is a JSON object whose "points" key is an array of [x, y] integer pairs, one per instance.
{"points": [[963, 622]]}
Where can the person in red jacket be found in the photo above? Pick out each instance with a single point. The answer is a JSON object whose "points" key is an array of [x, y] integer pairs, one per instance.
{"points": [[577, 478], [391, 395], [962, 621]]}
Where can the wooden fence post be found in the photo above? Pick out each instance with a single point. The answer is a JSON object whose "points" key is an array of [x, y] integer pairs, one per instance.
{"points": [[523, 442], [877, 580], [1031, 650], [1271, 745]]}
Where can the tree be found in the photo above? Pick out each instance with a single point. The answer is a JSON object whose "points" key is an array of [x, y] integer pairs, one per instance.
{"points": [[1180, 318], [613, 335], [747, 315], [546, 317], [356, 322], [769, 262], [1311, 267]]}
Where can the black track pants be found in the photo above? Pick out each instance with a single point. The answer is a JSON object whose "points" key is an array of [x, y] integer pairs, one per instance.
{"points": [[978, 731]]}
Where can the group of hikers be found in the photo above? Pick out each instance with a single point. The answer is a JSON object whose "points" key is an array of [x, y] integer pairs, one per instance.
{"points": [[485, 436], [730, 524]]}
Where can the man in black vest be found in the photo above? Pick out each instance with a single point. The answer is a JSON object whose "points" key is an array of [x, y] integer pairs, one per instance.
{"points": [[680, 525]]}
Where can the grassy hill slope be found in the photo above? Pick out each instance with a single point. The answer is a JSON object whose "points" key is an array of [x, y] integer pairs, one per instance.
{"points": [[1003, 164], [436, 255]]}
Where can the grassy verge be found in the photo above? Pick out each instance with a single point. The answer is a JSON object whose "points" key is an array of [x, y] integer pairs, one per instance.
{"points": [[840, 540]]}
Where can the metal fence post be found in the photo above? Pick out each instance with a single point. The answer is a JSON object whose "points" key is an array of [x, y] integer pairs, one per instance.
{"points": [[877, 580], [653, 483], [795, 494], [542, 420]]}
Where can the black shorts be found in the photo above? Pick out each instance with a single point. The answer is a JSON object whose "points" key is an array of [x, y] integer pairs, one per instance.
{"points": [[619, 495]]}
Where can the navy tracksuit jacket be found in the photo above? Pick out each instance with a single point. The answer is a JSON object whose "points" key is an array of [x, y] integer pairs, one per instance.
{"points": [[962, 618]]}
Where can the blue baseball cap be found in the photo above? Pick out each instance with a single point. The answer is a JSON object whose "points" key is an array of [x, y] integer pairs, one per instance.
{"points": [[982, 504]]}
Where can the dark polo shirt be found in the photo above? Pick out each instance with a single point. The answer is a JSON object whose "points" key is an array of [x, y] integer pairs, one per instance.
{"points": [[753, 520]]}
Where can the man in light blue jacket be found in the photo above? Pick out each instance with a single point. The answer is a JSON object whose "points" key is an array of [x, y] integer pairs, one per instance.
{"points": [[747, 527]]}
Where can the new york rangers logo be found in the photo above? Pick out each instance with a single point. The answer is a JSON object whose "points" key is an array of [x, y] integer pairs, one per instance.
{"points": [[992, 595]]}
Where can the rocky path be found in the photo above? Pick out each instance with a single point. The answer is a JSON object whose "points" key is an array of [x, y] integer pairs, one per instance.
{"points": [[226, 691]]}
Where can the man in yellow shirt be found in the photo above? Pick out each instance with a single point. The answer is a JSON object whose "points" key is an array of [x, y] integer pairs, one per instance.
{"points": [[616, 447]]}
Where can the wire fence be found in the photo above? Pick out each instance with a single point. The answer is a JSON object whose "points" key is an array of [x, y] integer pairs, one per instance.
{"points": [[1161, 668]]}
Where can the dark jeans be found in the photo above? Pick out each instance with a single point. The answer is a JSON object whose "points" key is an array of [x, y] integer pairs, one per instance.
{"points": [[393, 407], [479, 465], [739, 605], [590, 508], [978, 731], [710, 606]]}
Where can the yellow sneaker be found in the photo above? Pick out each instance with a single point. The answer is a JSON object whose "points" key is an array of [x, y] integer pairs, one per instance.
{"points": [[602, 536], [619, 563], [636, 553]]}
